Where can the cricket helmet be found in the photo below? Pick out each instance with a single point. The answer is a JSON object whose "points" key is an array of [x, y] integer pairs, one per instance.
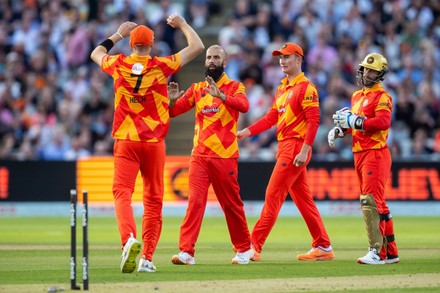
{"points": [[373, 61]]}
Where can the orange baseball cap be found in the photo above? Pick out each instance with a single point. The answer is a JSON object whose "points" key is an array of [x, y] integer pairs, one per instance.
{"points": [[141, 36], [289, 49]]}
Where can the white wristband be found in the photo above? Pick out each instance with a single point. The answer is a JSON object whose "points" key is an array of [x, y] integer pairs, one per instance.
{"points": [[120, 35]]}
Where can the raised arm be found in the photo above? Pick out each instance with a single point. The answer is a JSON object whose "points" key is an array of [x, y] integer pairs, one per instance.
{"points": [[103, 48], [195, 44]]}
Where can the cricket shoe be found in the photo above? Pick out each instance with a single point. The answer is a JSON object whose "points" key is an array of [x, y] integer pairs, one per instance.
{"points": [[392, 259], [255, 257], [183, 258], [371, 258], [131, 250], [243, 258], [146, 266], [317, 253]]}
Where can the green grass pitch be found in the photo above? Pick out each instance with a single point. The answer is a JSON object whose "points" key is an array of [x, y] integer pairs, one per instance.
{"points": [[35, 252]]}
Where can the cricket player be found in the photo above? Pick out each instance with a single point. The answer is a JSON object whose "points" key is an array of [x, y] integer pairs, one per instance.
{"points": [[295, 112], [368, 122], [141, 122], [218, 101]]}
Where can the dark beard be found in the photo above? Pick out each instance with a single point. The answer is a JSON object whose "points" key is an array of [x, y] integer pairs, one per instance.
{"points": [[215, 73]]}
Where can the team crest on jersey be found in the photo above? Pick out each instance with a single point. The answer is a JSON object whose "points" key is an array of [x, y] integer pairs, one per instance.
{"points": [[365, 103], [137, 68]]}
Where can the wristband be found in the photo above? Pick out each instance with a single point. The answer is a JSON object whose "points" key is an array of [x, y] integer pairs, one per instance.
{"points": [[120, 35], [107, 44]]}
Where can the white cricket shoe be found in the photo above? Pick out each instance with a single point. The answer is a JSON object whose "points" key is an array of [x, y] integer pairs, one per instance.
{"points": [[146, 266], [371, 258], [131, 250], [183, 258], [243, 258], [392, 259]]}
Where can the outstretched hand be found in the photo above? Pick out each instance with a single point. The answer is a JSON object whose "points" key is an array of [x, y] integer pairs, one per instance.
{"points": [[173, 93], [213, 89]]}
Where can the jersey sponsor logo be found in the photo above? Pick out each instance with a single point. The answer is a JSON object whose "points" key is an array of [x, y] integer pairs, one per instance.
{"points": [[365, 102], [210, 110], [137, 68], [313, 97]]}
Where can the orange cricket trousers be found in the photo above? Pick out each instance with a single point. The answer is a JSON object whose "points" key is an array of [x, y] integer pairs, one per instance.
{"points": [[223, 175], [373, 169], [130, 157], [287, 178]]}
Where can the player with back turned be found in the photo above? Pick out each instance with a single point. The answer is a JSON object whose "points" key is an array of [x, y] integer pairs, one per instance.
{"points": [[141, 122], [368, 122]]}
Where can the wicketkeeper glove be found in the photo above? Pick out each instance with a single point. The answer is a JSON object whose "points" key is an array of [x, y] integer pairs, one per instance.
{"points": [[334, 133], [345, 119]]}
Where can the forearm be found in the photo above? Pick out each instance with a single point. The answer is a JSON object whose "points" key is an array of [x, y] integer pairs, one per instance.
{"points": [[195, 44], [238, 102], [305, 149], [259, 126], [265, 122], [180, 106], [313, 120], [104, 47], [379, 123]]}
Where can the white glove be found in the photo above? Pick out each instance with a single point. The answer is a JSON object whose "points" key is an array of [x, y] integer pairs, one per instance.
{"points": [[345, 119], [334, 133]]}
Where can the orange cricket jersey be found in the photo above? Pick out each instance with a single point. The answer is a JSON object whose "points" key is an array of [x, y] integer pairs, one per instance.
{"points": [[295, 111], [141, 96], [215, 133], [375, 104]]}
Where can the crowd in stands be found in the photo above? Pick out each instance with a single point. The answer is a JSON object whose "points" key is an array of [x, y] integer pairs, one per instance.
{"points": [[56, 105]]}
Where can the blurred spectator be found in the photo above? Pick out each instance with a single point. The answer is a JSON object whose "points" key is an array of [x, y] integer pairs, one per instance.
{"points": [[233, 32], [199, 12], [156, 14], [235, 61], [47, 81]]}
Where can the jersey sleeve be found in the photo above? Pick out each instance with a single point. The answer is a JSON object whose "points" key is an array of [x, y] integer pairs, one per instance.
{"points": [[310, 106], [238, 100], [265, 122], [382, 120], [184, 103]]}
